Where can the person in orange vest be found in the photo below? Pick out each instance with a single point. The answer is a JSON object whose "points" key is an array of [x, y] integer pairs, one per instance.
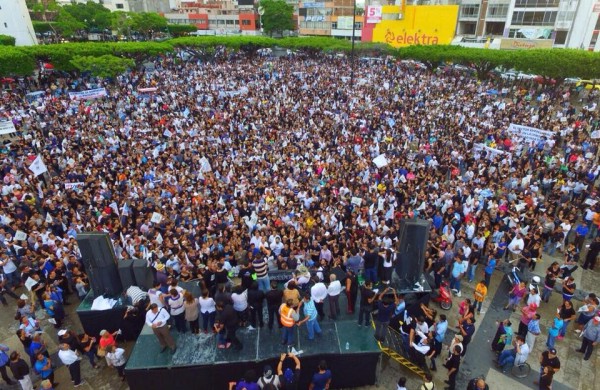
{"points": [[480, 294], [288, 317]]}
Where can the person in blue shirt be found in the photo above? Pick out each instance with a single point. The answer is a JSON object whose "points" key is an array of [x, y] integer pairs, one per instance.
{"points": [[43, 366], [439, 329], [322, 378], [489, 269], [459, 267]]}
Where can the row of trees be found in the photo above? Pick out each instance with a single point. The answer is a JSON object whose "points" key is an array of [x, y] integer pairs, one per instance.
{"points": [[109, 59], [71, 19]]}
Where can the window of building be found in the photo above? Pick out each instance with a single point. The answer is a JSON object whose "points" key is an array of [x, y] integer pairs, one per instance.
{"points": [[119, 6], [467, 28], [536, 3], [497, 10], [5, 25], [534, 18], [245, 22], [469, 11], [561, 38]]}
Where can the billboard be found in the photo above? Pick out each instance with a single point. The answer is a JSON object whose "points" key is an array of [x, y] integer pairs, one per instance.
{"points": [[374, 13], [344, 22], [421, 25], [519, 44]]}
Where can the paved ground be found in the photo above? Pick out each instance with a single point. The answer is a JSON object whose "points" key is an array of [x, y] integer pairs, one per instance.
{"points": [[575, 374]]}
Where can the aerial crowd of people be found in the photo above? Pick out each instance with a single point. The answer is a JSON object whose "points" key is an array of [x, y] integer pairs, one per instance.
{"points": [[244, 164]]}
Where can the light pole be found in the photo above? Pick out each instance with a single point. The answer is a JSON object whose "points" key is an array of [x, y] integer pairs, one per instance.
{"points": [[352, 49]]}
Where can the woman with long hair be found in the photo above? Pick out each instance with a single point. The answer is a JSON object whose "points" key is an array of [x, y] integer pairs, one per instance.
{"points": [[192, 312]]}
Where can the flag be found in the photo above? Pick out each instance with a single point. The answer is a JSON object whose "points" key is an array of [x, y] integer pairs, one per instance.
{"points": [[37, 166], [114, 207]]}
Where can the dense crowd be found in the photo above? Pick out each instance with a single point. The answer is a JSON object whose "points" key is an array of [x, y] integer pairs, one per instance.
{"points": [[244, 164]]}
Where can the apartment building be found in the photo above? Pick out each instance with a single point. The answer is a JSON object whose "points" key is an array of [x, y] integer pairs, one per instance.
{"points": [[329, 18], [523, 24], [220, 17], [15, 21]]}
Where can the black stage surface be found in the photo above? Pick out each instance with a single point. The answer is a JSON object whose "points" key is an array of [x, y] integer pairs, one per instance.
{"points": [[198, 364]]}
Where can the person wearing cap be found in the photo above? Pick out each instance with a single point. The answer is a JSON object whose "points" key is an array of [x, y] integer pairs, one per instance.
{"points": [[157, 318], [71, 359], [527, 314], [289, 378], [269, 380], [548, 359], [590, 337]]}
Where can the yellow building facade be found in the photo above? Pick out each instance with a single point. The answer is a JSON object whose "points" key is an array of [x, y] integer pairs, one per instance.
{"points": [[417, 25]]}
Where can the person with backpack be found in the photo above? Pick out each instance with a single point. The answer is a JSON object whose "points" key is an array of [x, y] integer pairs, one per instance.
{"points": [[289, 379], [428, 383], [269, 381]]}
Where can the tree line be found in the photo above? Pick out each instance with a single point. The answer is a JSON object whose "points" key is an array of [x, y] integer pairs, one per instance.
{"points": [[108, 59]]}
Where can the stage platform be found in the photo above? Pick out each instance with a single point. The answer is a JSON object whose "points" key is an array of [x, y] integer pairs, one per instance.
{"points": [[199, 364]]}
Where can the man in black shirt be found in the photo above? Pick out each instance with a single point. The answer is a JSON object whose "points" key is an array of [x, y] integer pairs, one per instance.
{"points": [[367, 296], [226, 324], [453, 365], [274, 297], [593, 250], [467, 329], [549, 359], [371, 264], [20, 370]]}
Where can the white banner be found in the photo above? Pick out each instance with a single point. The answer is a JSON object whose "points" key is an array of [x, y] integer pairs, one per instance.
{"points": [[7, 127], [491, 152], [89, 94], [37, 166], [529, 134], [380, 161], [74, 186]]}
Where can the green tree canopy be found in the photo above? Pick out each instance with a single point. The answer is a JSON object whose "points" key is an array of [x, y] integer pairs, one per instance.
{"points": [[103, 66], [277, 16], [178, 30], [93, 15], [145, 22], [7, 40], [66, 24]]}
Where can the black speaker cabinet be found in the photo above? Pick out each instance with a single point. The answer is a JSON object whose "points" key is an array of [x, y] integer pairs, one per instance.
{"points": [[411, 251], [144, 277], [126, 273], [98, 257]]}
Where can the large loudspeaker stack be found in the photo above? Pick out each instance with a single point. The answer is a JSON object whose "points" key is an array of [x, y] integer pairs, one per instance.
{"points": [[144, 276], [410, 258], [98, 257]]}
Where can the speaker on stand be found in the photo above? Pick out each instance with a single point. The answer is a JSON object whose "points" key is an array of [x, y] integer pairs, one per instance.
{"points": [[100, 263]]}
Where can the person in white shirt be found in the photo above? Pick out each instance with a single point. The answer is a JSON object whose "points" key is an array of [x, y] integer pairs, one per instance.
{"points": [[516, 246], [115, 357], [156, 296], [240, 304], [70, 359], [333, 291], [157, 318], [175, 301], [318, 293], [207, 311]]}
